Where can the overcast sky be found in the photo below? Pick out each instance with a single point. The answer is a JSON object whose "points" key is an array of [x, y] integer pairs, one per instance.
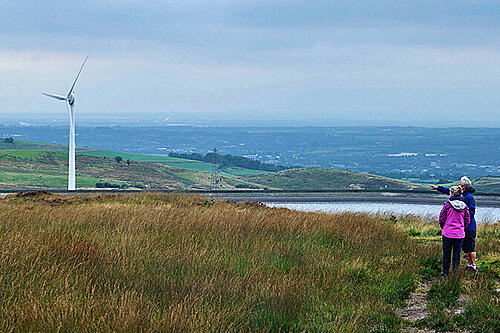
{"points": [[408, 62]]}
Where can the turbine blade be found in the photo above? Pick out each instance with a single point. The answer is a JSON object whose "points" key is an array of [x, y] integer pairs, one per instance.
{"points": [[77, 76], [59, 97]]}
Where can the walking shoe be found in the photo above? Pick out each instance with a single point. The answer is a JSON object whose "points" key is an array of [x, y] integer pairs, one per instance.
{"points": [[471, 268]]}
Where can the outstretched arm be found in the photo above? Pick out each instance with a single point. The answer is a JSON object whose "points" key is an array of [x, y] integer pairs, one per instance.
{"points": [[441, 189]]}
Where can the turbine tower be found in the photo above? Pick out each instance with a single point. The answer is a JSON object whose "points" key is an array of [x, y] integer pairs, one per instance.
{"points": [[69, 100]]}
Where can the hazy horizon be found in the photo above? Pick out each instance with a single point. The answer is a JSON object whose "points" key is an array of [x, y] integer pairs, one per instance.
{"points": [[219, 120]]}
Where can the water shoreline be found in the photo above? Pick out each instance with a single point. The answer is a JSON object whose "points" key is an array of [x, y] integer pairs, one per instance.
{"points": [[402, 197], [428, 212], [342, 197]]}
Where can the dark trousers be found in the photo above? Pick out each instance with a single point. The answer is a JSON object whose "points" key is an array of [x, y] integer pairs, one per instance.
{"points": [[450, 244]]}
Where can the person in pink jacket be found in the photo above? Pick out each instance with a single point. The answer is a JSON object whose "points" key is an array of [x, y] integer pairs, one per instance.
{"points": [[454, 219]]}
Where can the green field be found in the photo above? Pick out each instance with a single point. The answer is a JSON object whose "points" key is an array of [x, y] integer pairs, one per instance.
{"points": [[39, 169], [132, 156], [174, 162], [166, 160], [34, 169]]}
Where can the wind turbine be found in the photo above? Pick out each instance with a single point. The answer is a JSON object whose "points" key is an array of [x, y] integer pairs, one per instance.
{"points": [[69, 100]]}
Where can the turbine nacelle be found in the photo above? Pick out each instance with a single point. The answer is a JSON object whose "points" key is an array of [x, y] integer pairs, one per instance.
{"points": [[71, 99]]}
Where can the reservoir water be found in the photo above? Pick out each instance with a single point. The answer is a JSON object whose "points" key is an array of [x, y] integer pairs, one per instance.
{"points": [[429, 212]]}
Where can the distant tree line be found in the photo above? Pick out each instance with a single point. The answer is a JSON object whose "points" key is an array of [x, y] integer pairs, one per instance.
{"points": [[230, 161]]}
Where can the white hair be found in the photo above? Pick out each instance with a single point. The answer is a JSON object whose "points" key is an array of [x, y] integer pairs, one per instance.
{"points": [[465, 182]]}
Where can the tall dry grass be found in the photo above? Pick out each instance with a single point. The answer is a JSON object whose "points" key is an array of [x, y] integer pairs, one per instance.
{"points": [[152, 262]]}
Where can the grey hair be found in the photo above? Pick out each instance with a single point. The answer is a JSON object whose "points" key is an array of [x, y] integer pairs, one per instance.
{"points": [[455, 190], [465, 181]]}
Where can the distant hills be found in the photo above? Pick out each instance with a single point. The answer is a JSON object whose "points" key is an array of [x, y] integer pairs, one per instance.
{"points": [[329, 179], [487, 184], [35, 165]]}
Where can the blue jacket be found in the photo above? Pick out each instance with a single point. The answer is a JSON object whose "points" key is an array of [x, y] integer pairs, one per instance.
{"points": [[469, 200]]}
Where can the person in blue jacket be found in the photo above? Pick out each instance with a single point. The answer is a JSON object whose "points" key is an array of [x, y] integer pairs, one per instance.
{"points": [[469, 243]]}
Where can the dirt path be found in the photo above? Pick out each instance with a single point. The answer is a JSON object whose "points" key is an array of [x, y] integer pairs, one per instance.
{"points": [[416, 308]]}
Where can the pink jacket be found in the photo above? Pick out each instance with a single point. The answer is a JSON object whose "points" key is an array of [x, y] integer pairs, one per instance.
{"points": [[454, 218]]}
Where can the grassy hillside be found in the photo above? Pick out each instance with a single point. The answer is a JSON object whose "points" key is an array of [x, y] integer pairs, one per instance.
{"points": [[171, 161], [153, 262], [487, 184], [174, 162], [48, 170], [328, 179], [191, 165], [38, 169], [44, 167]]}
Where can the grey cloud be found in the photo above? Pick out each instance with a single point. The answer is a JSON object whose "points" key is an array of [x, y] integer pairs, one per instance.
{"points": [[289, 13], [257, 24]]}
